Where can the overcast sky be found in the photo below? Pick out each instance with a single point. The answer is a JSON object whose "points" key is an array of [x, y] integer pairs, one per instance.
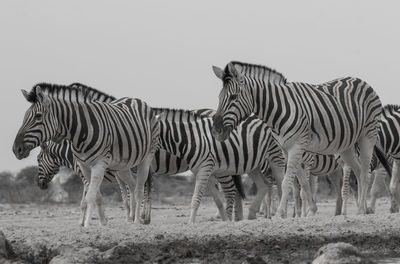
{"points": [[162, 51]]}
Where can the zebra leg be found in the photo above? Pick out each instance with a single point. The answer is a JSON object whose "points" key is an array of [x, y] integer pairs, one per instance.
{"points": [[146, 215], [297, 208], [202, 176], [96, 177], [229, 191], [314, 187], [256, 176], [124, 188], [375, 188], [238, 207], [366, 150], [394, 187], [345, 188], [83, 205], [294, 158], [143, 172], [335, 178], [128, 179], [216, 196], [268, 201], [305, 193], [100, 209]]}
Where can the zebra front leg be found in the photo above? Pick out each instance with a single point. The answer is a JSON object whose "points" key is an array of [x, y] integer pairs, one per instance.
{"points": [[238, 207], [303, 176], [142, 175], [83, 205], [146, 215], [128, 178], [367, 145], [216, 196], [202, 176], [124, 194], [298, 204], [257, 178], [100, 209], [268, 201], [336, 179], [394, 187], [96, 177], [294, 159], [229, 190]]}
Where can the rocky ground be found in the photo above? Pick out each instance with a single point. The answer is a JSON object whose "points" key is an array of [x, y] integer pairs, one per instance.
{"points": [[50, 233]]}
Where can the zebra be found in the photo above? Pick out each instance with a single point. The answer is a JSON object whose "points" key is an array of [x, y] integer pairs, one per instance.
{"points": [[389, 142], [251, 147], [53, 155], [327, 119], [116, 136]]}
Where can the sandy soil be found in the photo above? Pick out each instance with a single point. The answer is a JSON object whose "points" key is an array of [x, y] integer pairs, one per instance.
{"points": [[39, 233]]}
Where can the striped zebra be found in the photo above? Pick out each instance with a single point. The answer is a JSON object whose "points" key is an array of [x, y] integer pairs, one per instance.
{"points": [[251, 147], [329, 118], [53, 156], [115, 136], [389, 142]]}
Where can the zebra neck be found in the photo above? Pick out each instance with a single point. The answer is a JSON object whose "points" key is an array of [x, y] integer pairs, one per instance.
{"points": [[271, 104]]}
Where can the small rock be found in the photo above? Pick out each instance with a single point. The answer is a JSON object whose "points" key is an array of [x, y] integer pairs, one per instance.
{"points": [[340, 253], [300, 229]]}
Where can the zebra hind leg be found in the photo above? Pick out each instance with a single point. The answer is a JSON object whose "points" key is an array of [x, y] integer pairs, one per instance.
{"points": [[257, 178], [202, 176], [217, 197], [128, 179], [394, 187]]}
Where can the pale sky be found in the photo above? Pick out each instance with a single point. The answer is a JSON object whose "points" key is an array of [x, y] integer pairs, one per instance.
{"points": [[162, 51]]}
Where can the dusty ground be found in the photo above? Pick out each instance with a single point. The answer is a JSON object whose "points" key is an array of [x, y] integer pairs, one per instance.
{"points": [[38, 233]]}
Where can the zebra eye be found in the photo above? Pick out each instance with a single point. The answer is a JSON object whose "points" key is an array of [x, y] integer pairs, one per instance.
{"points": [[38, 116], [233, 97]]}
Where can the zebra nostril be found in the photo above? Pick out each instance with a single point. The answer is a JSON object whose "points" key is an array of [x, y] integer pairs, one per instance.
{"points": [[19, 150]]}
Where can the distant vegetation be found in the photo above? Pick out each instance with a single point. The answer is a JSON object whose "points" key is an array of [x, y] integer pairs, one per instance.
{"points": [[67, 188]]}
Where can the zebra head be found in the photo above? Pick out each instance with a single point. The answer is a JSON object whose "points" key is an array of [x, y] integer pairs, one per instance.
{"points": [[49, 165], [235, 101], [39, 124]]}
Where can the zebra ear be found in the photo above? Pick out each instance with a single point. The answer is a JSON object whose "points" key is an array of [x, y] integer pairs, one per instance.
{"points": [[234, 71], [218, 72], [41, 96], [25, 94]]}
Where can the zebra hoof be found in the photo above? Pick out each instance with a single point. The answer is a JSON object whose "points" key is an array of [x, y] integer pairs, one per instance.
{"points": [[146, 221]]}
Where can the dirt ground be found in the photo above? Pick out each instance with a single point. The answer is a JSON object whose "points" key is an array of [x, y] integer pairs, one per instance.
{"points": [[44, 233]]}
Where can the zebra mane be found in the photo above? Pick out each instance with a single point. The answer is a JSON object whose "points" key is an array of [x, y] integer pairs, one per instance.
{"points": [[169, 112], [392, 107], [81, 91], [257, 72]]}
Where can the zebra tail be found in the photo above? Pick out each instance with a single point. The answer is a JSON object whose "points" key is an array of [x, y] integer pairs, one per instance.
{"points": [[237, 180], [383, 159]]}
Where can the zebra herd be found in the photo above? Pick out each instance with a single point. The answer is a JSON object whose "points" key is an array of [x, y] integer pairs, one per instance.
{"points": [[275, 131]]}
